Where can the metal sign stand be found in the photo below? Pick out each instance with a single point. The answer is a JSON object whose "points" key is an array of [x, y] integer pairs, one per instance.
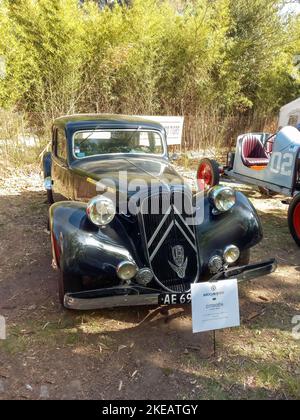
{"points": [[215, 343]]}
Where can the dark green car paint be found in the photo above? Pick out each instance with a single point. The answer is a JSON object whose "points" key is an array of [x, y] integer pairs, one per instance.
{"points": [[90, 254]]}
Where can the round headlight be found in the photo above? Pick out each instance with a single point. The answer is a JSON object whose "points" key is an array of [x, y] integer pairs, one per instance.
{"points": [[101, 210], [231, 254], [223, 198], [126, 270]]}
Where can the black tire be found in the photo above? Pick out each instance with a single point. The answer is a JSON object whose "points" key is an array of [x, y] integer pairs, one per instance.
{"points": [[294, 212], [62, 290], [50, 199], [266, 192], [67, 284], [244, 258], [213, 176]]}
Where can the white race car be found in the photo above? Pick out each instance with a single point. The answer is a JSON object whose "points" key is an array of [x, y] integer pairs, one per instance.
{"points": [[270, 162]]}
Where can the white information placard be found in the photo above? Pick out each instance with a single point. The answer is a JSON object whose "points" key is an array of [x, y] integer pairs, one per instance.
{"points": [[172, 125], [215, 305]]}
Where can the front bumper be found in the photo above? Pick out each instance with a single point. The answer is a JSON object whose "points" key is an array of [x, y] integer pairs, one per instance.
{"points": [[139, 296], [247, 272]]}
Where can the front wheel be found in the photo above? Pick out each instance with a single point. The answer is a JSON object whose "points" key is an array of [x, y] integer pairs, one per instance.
{"points": [[67, 284], [208, 174], [244, 258], [294, 218]]}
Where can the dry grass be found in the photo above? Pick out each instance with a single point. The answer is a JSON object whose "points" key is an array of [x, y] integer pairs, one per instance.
{"points": [[259, 360]]}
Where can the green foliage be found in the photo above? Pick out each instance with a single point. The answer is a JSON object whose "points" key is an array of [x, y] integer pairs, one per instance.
{"points": [[258, 67], [153, 56]]}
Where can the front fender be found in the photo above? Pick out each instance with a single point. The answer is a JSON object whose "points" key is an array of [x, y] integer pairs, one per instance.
{"points": [[83, 249], [239, 226]]}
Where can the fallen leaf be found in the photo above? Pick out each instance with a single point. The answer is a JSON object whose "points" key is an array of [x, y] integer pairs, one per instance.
{"points": [[263, 298], [104, 346], [250, 381], [255, 315], [120, 385], [196, 348]]}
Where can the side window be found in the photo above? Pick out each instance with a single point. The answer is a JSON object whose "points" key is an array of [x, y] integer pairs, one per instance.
{"points": [[61, 144], [53, 139]]}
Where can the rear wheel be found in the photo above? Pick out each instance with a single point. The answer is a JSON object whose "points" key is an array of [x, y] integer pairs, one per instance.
{"points": [[208, 174], [294, 219], [50, 199]]}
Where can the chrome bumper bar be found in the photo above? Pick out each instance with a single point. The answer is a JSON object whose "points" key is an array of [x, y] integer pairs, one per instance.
{"points": [[78, 302], [91, 300], [247, 272]]}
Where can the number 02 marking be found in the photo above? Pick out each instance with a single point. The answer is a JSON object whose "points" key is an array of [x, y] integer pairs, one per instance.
{"points": [[282, 163]]}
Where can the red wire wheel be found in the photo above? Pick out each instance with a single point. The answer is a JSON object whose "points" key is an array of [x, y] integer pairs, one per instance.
{"points": [[294, 219], [208, 174]]}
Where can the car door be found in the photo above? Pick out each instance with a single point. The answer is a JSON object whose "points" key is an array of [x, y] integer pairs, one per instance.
{"points": [[61, 179]]}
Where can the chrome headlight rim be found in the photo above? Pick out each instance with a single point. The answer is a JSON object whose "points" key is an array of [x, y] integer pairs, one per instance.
{"points": [[216, 264], [144, 276], [95, 210], [223, 198], [231, 249], [121, 270]]}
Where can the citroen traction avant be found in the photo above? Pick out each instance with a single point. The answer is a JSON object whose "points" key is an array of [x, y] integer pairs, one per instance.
{"points": [[125, 228]]}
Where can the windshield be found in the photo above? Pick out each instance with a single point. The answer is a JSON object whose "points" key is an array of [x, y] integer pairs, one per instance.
{"points": [[96, 142]]}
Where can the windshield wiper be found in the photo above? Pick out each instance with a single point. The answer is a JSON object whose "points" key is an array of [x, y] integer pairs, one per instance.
{"points": [[92, 132]]}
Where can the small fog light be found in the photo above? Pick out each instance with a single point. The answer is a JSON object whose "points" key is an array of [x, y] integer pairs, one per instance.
{"points": [[126, 270], [144, 276], [231, 254], [215, 264]]}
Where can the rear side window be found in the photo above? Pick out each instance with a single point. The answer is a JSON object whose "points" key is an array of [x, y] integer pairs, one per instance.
{"points": [[61, 144]]}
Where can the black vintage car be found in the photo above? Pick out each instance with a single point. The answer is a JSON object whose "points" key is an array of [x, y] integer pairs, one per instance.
{"points": [[126, 229]]}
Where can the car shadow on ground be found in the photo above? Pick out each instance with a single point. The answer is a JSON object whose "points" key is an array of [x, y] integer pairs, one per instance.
{"points": [[138, 352], [163, 359]]}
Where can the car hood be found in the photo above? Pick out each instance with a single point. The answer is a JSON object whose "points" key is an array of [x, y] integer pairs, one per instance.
{"points": [[113, 171]]}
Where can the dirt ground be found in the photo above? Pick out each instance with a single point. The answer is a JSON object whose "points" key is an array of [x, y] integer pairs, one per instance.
{"points": [[139, 353]]}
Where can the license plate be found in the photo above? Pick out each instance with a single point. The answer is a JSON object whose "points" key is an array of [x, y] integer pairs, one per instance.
{"points": [[174, 298]]}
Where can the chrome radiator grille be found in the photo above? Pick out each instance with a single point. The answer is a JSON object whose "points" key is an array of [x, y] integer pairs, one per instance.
{"points": [[170, 243]]}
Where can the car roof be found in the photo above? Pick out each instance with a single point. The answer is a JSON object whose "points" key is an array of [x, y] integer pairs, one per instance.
{"points": [[105, 120]]}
